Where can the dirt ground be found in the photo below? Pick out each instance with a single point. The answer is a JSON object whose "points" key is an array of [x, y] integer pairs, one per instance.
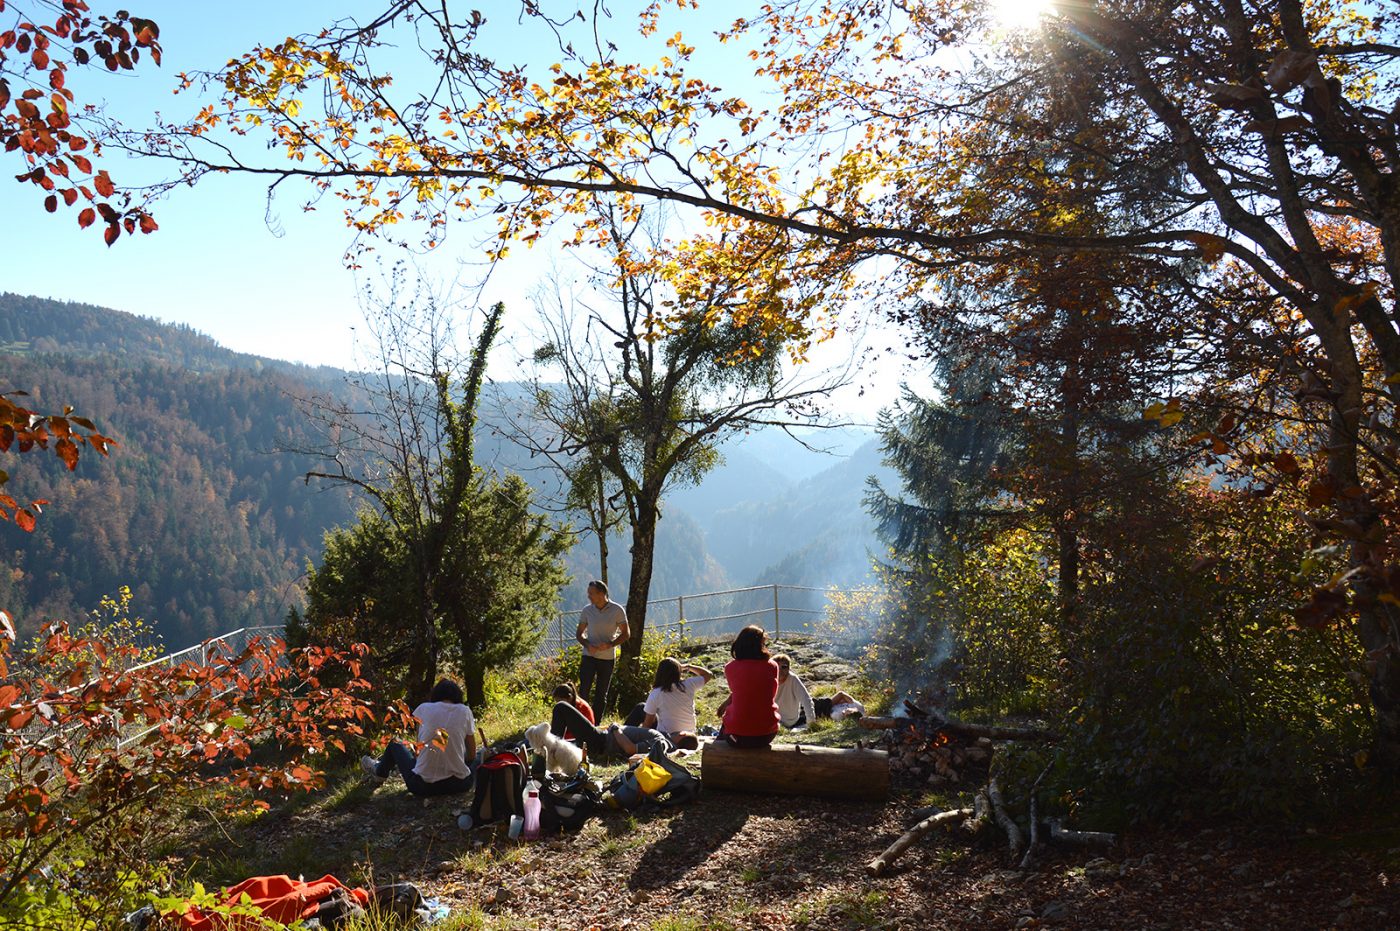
{"points": [[750, 861]]}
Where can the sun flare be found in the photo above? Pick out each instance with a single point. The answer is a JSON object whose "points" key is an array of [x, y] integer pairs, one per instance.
{"points": [[1020, 14]]}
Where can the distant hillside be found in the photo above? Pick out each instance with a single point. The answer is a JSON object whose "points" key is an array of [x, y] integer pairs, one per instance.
{"points": [[815, 533], [213, 528], [39, 326], [210, 528]]}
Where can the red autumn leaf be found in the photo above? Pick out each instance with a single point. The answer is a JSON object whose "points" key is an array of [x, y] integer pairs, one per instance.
{"points": [[86, 218], [19, 719], [51, 203], [108, 214], [4, 94], [70, 197], [40, 59], [56, 79], [8, 694], [104, 184], [1319, 493], [1286, 463], [148, 223], [82, 163], [112, 233], [25, 520], [67, 451]]}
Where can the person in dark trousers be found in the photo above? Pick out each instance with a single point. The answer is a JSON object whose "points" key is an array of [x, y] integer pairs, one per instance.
{"points": [[616, 741], [602, 627], [447, 731]]}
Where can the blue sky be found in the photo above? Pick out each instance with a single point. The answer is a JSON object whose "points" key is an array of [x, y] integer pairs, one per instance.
{"points": [[276, 289]]}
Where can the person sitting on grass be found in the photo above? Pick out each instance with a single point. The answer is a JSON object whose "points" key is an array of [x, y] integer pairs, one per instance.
{"points": [[617, 740], [564, 691], [797, 707], [670, 705], [447, 731], [751, 711]]}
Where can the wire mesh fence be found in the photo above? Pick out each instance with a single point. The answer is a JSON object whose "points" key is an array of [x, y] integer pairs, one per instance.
{"points": [[778, 609]]}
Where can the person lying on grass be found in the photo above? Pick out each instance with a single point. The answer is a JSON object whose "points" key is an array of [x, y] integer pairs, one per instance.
{"points": [[616, 740], [447, 731]]}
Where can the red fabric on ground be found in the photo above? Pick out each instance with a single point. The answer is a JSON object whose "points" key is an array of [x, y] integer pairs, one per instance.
{"points": [[280, 898]]}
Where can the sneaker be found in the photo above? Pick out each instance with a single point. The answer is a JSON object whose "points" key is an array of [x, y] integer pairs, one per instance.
{"points": [[371, 766]]}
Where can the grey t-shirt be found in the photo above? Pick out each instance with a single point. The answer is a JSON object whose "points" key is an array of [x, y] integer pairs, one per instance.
{"points": [[603, 624]]}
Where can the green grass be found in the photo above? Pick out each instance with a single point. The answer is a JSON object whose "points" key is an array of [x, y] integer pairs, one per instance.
{"points": [[860, 909], [692, 923], [483, 860]]}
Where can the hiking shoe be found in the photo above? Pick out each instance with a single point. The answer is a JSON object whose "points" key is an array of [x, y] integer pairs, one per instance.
{"points": [[371, 766]]}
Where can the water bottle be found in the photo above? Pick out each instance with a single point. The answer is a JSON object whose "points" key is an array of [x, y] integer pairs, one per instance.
{"points": [[532, 810]]}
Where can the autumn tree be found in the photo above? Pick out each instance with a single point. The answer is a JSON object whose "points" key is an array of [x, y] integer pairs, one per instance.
{"points": [[42, 120], [641, 400], [1264, 124], [23, 430]]}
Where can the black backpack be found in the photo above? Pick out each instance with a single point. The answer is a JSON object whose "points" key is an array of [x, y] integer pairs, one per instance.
{"points": [[500, 784], [567, 802]]}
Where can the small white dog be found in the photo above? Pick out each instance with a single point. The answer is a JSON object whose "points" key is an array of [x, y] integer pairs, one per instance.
{"points": [[560, 756]]}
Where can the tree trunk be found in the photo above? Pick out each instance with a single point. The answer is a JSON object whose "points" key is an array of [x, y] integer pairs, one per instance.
{"points": [[473, 680], [422, 662], [601, 528], [628, 672]]}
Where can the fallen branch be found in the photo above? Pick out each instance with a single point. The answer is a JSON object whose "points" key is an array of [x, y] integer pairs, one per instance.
{"points": [[1007, 823], [876, 723], [1063, 835], [1034, 842], [961, 729], [995, 732], [881, 863]]}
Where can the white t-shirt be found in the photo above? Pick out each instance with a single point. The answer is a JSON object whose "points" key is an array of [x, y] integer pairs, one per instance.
{"points": [[456, 722], [794, 700], [675, 710]]}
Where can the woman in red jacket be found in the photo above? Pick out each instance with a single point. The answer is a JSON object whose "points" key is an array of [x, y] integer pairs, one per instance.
{"points": [[751, 712]]}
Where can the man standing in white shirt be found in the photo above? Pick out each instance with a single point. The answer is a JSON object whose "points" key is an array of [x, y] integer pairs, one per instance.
{"points": [[602, 627]]}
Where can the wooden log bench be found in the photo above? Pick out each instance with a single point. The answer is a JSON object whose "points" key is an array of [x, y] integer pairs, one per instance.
{"points": [[797, 769]]}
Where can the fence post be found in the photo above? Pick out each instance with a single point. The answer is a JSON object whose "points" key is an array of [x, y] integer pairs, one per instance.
{"points": [[680, 615], [777, 617]]}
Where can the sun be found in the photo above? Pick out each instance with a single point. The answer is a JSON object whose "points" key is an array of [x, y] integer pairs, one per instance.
{"points": [[1020, 14]]}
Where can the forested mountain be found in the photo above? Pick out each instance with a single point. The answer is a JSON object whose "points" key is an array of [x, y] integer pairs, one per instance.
{"points": [[194, 510], [212, 526]]}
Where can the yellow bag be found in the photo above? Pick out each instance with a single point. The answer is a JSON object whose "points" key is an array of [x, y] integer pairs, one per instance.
{"points": [[651, 776]]}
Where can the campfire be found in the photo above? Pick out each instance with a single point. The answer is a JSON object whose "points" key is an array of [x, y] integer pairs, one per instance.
{"points": [[925, 751]]}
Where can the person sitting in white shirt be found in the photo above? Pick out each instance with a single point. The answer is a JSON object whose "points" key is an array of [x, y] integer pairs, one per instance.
{"points": [[670, 705], [796, 706], [447, 731]]}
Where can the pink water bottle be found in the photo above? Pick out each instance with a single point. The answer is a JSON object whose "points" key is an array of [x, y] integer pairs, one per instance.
{"points": [[532, 811]]}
